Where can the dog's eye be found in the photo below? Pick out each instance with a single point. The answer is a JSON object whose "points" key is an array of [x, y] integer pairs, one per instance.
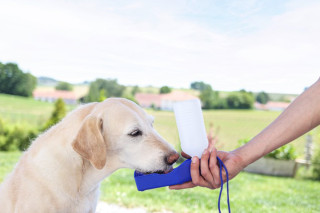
{"points": [[135, 133]]}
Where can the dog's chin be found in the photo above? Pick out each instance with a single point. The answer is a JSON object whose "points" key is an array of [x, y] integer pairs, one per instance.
{"points": [[164, 171]]}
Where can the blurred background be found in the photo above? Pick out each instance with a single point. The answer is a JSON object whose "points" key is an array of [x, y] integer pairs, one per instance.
{"points": [[245, 60]]}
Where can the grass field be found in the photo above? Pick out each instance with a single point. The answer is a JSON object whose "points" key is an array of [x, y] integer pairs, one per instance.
{"points": [[20, 110], [248, 193], [26, 111], [232, 124]]}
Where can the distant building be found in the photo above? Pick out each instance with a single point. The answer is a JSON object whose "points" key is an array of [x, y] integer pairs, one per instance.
{"points": [[162, 101], [272, 106], [148, 100], [51, 96]]}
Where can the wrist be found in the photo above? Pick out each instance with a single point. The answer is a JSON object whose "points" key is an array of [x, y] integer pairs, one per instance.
{"points": [[249, 153]]}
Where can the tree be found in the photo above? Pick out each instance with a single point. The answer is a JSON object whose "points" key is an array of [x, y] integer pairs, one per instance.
{"points": [[135, 90], [240, 100], [3, 136], [198, 85], [64, 86], [94, 93], [15, 82], [58, 113], [165, 89], [209, 98], [233, 101], [247, 100], [1, 127], [130, 97], [110, 87], [262, 97], [102, 95]]}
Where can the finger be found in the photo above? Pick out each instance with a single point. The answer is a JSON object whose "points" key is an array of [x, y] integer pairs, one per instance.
{"points": [[214, 168], [195, 174], [186, 185], [205, 172], [185, 155], [222, 156], [211, 145]]}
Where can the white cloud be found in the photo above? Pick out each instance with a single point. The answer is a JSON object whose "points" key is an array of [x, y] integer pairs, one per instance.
{"points": [[147, 43]]}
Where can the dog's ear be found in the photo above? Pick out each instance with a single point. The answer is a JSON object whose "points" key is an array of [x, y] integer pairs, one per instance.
{"points": [[89, 142]]}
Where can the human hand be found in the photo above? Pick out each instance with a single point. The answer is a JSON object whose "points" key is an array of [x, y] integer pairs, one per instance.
{"points": [[206, 172]]}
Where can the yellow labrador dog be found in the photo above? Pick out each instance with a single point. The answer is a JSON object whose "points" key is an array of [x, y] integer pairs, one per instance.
{"points": [[62, 169]]}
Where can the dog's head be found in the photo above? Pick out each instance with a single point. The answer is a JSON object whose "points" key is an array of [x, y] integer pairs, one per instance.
{"points": [[119, 130]]}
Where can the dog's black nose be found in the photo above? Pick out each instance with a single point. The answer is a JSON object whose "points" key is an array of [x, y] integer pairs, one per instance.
{"points": [[172, 158]]}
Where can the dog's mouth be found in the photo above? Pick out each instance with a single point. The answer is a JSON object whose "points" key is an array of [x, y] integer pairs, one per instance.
{"points": [[166, 171]]}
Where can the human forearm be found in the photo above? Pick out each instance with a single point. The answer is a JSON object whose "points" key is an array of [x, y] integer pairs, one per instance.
{"points": [[300, 117]]}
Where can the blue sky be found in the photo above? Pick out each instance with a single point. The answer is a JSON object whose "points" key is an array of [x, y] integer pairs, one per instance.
{"points": [[253, 45]]}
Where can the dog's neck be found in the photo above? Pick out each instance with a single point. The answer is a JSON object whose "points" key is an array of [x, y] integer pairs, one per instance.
{"points": [[92, 177]]}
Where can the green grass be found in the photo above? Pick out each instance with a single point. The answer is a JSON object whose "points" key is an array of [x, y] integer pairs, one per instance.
{"points": [[26, 111], [7, 162], [248, 193]]}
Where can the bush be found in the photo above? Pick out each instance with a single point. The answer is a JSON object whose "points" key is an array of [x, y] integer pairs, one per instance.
{"points": [[210, 98], [286, 152], [25, 142], [131, 98], [58, 113], [242, 142], [16, 138], [165, 90], [240, 100], [4, 132], [316, 164], [135, 90], [262, 97], [64, 86], [1, 127], [102, 95], [109, 86]]}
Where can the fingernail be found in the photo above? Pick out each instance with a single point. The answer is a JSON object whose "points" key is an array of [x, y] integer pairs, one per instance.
{"points": [[205, 152], [194, 159], [211, 149]]}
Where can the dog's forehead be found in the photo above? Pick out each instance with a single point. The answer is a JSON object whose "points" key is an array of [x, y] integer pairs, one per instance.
{"points": [[120, 107]]}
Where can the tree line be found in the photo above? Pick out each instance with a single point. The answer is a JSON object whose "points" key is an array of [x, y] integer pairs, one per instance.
{"points": [[14, 81], [235, 100], [100, 89]]}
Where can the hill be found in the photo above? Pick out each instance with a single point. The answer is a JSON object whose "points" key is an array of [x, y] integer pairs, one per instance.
{"points": [[47, 81]]}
